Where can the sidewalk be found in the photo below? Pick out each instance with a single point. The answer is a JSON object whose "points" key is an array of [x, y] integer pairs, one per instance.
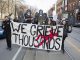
{"points": [[32, 54]]}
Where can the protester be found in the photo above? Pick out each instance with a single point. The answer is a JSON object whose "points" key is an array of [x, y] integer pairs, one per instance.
{"points": [[27, 16], [64, 34], [40, 18], [35, 21], [6, 24], [51, 21], [45, 17]]}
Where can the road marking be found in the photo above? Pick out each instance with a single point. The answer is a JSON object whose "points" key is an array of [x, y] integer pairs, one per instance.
{"points": [[71, 57], [15, 56], [78, 49]]}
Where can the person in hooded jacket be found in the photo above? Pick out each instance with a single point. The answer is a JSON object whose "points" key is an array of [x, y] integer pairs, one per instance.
{"points": [[65, 34], [7, 29], [27, 16]]}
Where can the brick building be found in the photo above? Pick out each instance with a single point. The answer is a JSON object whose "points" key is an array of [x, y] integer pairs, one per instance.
{"points": [[67, 6], [72, 6]]}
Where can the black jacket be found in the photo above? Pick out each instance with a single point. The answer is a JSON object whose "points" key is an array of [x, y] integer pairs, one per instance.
{"points": [[65, 32], [6, 25]]}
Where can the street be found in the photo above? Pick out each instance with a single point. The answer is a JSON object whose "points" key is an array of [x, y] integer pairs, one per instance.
{"points": [[8, 55], [72, 50], [72, 44], [36, 29]]}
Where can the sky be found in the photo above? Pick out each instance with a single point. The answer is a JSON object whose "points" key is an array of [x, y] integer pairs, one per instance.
{"points": [[41, 4]]}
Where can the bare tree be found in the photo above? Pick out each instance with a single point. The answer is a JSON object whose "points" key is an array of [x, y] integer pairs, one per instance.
{"points": [[2, 4]]}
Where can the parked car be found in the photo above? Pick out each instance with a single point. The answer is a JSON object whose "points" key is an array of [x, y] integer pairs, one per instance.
{"points": [[2, 32]]}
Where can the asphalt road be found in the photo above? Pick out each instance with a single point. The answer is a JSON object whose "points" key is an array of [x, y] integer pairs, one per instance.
{"points": [[9, 55], [72, 44], [44, 55], [72, 47]]}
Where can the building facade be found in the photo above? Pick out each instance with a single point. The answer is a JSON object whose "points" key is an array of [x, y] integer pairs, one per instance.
{"points": [[59, 9], [73, 5], [71, 10], [70, 7]]}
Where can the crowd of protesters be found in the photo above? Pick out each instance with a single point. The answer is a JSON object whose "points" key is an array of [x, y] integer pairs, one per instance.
{"points": [[39, 18]]}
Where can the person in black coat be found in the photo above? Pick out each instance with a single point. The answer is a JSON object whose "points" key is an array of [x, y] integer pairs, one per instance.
{"points": [[65, 34], [6, 24], [35, 21], [27, 16]]}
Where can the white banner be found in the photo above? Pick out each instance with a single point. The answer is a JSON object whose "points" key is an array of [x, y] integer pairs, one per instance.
{"points": [[37, 36]]}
